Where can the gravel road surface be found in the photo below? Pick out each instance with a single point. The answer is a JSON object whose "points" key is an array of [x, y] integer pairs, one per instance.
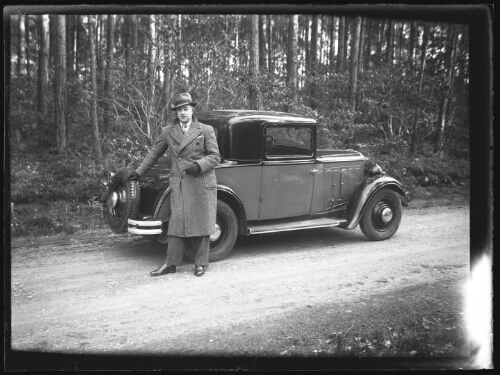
{"points": [[92, 293]]}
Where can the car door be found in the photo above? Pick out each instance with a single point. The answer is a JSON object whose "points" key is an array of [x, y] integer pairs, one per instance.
{"points": [[288, 172]]}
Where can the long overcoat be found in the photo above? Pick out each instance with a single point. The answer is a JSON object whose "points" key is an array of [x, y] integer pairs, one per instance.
{"points": [[193, 199]]}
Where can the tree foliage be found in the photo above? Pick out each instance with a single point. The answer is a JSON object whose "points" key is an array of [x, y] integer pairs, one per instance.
{"points": [[150, 58]]}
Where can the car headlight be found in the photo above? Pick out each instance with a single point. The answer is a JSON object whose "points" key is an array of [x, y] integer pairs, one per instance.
{"points": [[376, 170]]}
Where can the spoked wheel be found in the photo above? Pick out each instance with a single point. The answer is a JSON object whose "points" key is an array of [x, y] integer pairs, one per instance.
{"points": [[382, 215], [122, 202]]}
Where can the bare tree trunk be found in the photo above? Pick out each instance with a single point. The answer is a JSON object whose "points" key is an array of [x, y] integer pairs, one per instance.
{"points": [[320, 41], [380, 41], [401, 42], [128, 45], [242, 34], [43, 70], [254, 64], [93, 75], [52, 43], [411, 52], [108, 79], [332, 42], [353, 87], [414, 133], [78, 54], [389, 56], [178, 51], [346, 39], [368, 53], [314, 61], [270, 45], [341, 43], [21, 46], [293, 26], [101, 57], [151, 74], [135, 42], [423, 55], [443, 111], [167, 60], [27, 44], [307, 47], [60, 84], [314, 45], [362, 45], [70, 24], [262, 44]]}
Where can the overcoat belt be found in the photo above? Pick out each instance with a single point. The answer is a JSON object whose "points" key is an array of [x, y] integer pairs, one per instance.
{"points": [[193, 199]]}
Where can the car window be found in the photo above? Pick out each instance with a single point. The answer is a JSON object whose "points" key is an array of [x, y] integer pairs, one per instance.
{"points": [[288, 141]]}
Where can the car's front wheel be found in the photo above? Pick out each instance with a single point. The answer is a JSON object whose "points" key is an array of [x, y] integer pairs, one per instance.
{"points": [[122, 202], [382, 215]]}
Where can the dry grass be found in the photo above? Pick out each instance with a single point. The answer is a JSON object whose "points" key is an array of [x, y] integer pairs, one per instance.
{"points": [[412, 323]]}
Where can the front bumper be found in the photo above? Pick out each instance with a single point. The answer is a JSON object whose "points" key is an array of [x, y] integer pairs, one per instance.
{"points": [[144, 227]]}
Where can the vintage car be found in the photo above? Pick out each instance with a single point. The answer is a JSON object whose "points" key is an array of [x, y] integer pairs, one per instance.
{"points": [[271, 178]]}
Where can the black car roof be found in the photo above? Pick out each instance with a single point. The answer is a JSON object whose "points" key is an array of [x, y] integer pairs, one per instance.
{"points": [[234, 116]]}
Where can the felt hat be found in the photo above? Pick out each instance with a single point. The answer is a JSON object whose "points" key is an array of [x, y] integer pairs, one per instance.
{"points": [[182, 99]]}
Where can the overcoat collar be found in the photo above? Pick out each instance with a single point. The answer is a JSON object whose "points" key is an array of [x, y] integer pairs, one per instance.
{"points": [[185, 139]]}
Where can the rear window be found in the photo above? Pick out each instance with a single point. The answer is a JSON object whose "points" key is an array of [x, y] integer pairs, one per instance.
{"points": [[288, 141]]}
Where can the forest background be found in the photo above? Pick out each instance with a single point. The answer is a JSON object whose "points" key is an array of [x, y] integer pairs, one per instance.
{"points": [[87, 94]]}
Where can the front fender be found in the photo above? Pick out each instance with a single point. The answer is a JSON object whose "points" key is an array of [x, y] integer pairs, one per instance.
{"points": [[363, 194], [162, 205]]}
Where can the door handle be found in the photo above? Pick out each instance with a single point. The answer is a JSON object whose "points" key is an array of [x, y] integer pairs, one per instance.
{"points": [[315, 170]]}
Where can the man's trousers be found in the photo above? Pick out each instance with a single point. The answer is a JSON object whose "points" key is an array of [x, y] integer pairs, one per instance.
{"points": [[200, 247]]}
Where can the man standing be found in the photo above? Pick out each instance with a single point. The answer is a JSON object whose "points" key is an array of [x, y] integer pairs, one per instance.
{"points": [[193, 184]]}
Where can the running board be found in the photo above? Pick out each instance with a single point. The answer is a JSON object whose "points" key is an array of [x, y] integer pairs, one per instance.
{"points": [[275, 226]]}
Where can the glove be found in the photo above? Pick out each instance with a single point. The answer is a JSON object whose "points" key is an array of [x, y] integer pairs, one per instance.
{"points": [[133, 176], [193, 170]]}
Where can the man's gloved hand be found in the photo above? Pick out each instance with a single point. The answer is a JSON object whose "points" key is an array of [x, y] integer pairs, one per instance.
{"points": [[193, 170], [133, 176]]}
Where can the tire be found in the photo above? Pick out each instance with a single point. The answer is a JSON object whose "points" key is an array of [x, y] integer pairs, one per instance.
{"points": [[222, 241], [382, 215], [122, 201]]}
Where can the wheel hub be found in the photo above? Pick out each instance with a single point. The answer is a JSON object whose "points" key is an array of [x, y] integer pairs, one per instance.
{"points": [[386, 214], [113, 199], [216, 234]]}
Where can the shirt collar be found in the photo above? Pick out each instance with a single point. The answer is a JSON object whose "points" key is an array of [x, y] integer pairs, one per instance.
{"points": [[186, 127]]}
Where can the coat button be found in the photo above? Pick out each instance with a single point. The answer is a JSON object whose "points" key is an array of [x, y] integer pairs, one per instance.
{"points": [[180, 159]]}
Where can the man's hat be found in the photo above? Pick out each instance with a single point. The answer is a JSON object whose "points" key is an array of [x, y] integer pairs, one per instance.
{"points": [[182, 99]]}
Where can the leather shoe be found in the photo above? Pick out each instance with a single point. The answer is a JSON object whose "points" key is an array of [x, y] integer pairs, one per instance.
{"points": [[199, 271], [164, 269]]}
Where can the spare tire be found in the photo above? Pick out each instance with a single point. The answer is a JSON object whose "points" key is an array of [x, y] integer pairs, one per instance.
{"points": [[122, 201]]}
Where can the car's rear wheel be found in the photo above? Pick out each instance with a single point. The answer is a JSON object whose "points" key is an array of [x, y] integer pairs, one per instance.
{"points": [[224, 236], [122, 202], [382, 215]]}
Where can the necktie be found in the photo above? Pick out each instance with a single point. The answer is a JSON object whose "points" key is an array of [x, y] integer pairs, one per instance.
{"points": [[184, 129]]}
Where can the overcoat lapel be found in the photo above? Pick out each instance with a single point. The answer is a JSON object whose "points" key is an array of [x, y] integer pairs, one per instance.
{"points": [[176, 132], [192, 133]]}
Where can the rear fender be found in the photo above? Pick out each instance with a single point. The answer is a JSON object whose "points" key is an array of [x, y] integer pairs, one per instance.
{"points": [[364, 193], [229, 196]]}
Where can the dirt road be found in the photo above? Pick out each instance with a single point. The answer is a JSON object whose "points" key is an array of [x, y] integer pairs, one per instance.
{"points": [[92, 293]]}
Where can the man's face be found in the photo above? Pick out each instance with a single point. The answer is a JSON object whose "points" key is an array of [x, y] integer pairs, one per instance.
{"points": [[185, 113]]}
